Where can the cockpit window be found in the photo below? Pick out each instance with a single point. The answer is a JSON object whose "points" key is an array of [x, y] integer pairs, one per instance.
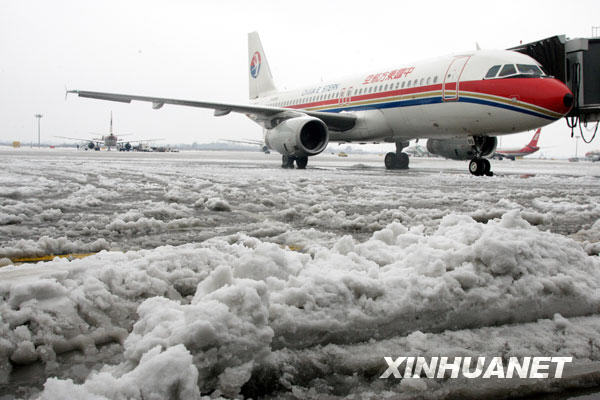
{"points": [[493, 71], [508, 69], [528, 69]]}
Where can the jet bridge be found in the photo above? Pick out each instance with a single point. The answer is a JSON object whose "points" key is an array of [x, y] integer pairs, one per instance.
{"points": [[576, 62]]}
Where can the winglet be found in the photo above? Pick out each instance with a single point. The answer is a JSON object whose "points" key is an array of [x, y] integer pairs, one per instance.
{"points": [[67, 91]]}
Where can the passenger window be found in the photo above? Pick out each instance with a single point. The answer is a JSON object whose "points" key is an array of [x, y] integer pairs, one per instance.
{"points": [[508, 69], [403, 83], [385, 87], [492, 72], [435, 79], [421, 82], [415, 82]]}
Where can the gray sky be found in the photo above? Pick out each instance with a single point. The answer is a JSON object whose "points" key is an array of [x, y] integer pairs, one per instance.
{"points": [[198, 49]]}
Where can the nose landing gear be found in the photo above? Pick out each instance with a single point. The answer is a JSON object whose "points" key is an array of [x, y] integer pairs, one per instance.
{"points": [[480, 166]]}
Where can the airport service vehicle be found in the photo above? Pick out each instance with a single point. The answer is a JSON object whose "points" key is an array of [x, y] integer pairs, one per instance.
{"points": [[530, 148], [459, 102]]}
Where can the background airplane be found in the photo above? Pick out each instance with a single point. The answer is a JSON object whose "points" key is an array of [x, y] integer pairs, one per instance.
{"points": [[593, 155], [530, 148], [459, 102], [109, 141]]}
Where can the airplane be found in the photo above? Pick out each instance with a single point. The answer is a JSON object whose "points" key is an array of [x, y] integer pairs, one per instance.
{"points": [[593, 155], [530, 148], [459, 102], [111, 140]]}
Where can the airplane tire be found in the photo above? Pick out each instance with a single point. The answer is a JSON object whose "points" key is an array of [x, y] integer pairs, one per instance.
{"points": [[287, 162], [390, 161], [487, 167], [402, 161], [476, 167], [301, 162]]}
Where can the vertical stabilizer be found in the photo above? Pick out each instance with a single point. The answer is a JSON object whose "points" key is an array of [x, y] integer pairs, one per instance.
{"points": [[534, 139], [259, 73]]}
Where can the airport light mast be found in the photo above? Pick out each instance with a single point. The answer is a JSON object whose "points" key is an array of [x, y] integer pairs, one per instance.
{"points": [[39, 117]]}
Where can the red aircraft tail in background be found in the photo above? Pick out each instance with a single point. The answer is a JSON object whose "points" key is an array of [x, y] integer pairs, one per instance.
{"points": [[531, 148]]}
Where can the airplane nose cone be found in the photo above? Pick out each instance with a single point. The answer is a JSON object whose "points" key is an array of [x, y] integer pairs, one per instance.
{"points": [[568, 100]]}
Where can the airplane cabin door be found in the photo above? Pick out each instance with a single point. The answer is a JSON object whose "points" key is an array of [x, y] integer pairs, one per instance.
{"points": [[450, 86]]}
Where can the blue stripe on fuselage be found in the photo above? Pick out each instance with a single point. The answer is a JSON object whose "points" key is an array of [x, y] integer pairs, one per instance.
{"points": [[435, 100]]}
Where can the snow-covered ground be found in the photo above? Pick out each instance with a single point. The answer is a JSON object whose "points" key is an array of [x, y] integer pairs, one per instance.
{"points": [[222, 274]]}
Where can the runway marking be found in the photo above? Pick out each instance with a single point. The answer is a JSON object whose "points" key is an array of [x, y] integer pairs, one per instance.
{"points": [[50, 257]]}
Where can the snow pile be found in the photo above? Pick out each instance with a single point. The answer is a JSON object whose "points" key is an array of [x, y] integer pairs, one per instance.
{"points": [[168, 374], [49, 246], [590, 238], [219, 311], [217, 204], [225, 327], [466, 274]]}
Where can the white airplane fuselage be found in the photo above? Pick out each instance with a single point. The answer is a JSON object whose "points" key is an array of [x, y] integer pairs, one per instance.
{"points": [[446, 97], [460, 102]]}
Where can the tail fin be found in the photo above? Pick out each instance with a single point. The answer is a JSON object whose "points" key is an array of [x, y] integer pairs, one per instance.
{"points": [[259, 73], [534, 139]]}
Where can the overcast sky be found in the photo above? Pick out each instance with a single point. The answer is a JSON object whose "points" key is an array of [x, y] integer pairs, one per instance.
{"points": [[198, 50]]}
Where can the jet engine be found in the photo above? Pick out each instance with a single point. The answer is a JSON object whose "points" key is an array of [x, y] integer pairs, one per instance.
{"points": [[298, 137], [91, 145], [463, 148]]}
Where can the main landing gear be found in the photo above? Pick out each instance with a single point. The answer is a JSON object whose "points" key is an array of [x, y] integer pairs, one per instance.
{"points": [[480, 166], [288, 162], [397, 160]]}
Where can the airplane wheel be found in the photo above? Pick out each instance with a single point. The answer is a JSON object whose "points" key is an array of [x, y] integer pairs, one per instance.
{"points": [[390, 161], [402, 161], [287, 162], [476, 167], [301, 162], [487, 167]]}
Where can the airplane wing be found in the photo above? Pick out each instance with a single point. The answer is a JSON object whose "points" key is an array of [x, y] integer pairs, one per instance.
{"points": [[334, 121], [139, 140], [71, 138], [247, 141]]}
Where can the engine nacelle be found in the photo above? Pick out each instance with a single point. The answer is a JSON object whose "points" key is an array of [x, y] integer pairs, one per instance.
{"points": [[463, 148], [298, 137]]}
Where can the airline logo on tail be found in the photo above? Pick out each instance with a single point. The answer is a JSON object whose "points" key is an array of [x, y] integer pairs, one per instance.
{"points": [[255, 65]]}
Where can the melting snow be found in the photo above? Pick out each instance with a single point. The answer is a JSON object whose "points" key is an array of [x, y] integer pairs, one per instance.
{"points": [[237, 280]]}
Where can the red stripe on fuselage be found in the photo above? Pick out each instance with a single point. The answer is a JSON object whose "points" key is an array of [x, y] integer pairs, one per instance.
{"points": [[542, 92], [547, 93]]}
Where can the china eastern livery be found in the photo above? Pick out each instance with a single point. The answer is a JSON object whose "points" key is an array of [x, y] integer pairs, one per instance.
{"points": [[459, 102]]}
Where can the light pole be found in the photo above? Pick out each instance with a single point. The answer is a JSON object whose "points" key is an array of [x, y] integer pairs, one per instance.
{"points": [[39, 117], [576, 143]]}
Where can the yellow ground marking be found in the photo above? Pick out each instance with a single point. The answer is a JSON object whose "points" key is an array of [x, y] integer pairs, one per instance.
{"points": [[50, 257]]}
